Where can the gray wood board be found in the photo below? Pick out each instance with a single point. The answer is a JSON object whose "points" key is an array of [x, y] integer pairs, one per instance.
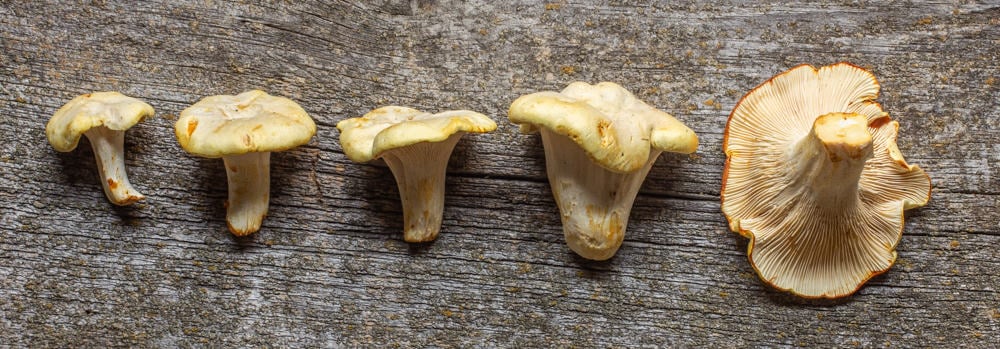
{"points": [[329, 266]]}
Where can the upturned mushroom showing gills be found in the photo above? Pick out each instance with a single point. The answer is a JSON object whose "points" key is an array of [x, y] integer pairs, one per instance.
{"points": [[243, 130], [814, 179], [416, 147], [600, 142], [103, 117]]}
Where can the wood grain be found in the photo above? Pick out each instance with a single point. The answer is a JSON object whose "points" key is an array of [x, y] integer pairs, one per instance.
{"points": [[329, 267]]}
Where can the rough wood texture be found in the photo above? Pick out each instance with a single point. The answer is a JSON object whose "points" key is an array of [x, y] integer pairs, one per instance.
{"points": [[330, 267]]}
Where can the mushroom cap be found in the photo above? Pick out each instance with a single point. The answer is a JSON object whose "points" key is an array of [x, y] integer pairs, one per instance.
{"points": [[109, 109], [252, 121], [383, 129], [799, 242], [613, 127]]}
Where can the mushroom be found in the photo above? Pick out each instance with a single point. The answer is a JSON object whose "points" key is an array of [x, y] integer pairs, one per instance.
{"points": [[416, 146], [103, 117], [243, 130], [600, 142], [814, 179]]}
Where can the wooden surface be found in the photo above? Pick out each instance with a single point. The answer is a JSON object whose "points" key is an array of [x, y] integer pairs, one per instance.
{"points": [[330, 268]]}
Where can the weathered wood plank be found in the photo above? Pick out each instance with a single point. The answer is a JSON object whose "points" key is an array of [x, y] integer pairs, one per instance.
{"points": [[329, 266]]}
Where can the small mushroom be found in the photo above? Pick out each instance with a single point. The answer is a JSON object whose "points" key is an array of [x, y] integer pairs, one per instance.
{"points": [[600, 142], [243, 130], [103, 117], [416, 146], [814, 179]]}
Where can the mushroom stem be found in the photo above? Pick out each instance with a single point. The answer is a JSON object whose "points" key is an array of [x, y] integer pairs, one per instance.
{"points": [[420, 173], [595, 203], [109, 150], [249, 178], [833, 156]]}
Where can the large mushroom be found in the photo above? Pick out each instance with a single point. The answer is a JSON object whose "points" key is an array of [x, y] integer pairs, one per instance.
{"points": [[416, 147], [103, 117], [243, 130], [600, 142], [814, 178]]}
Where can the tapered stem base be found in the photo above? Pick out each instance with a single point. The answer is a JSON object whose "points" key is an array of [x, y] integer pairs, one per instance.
{"points": [[109, 151], [249, 177], [830, 159], [419, 170], [594, 202]]}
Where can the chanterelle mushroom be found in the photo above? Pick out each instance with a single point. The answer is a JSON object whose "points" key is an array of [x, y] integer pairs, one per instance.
{"points": [[243, 130], [416, 146], [103, 117], [600, 142], [814, 179]]}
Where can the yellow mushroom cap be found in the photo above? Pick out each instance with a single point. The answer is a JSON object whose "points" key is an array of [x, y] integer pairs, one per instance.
{"points": [[613, 127], [814, 231], [252, 121], [383, 129], [113, 110]]}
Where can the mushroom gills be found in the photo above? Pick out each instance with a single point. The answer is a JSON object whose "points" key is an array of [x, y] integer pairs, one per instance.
{"points": [[594, 202], [814, 179], [109, 151], [249, 177], [825, 185], [420, 171]]}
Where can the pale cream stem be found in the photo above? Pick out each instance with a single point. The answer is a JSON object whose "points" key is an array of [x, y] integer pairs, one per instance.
{"points": [[249, 177], [109, 150], [420, 171], [832, 158], [594, 202]]}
